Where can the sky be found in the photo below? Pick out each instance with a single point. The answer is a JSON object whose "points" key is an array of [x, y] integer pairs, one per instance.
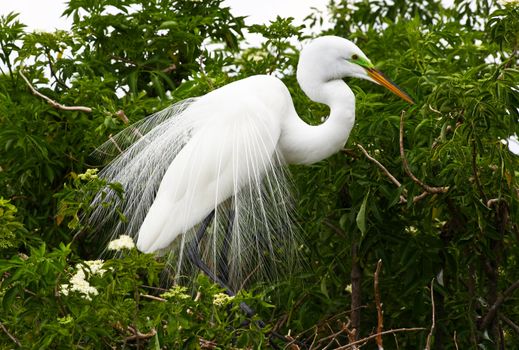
{"points": [[45, 15]]}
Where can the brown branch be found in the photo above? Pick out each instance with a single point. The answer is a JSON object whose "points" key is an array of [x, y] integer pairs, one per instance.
{"points": [[12, 337], [433, 325], [335, 228], [138, 335], [152, 297], [121, 115], [380, 317], [50, 101], [382, 167], [494, 201], [492, 312], [427, 188], [455, 340], [385, 171], [356, 294], [391, 331], [420, 196], [510, 323], [333, 336]]}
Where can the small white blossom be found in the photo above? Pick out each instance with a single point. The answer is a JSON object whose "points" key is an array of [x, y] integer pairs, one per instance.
{"points": [[88, 175], [348, 288], [78, 282], [64, 289], [123, 242], [95, 267], [221, 299]]}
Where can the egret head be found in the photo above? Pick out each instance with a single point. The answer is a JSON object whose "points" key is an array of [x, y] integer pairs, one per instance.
{"points": [[331, 57]]}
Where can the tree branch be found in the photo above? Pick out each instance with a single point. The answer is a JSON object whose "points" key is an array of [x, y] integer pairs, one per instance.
{"points": [[152, 297], [138, 335], [492, 312], [427, 188], [380, 317], [50, 101], [433, 325], [16, 341], [391, 331], [385, 171], [510, 323]]}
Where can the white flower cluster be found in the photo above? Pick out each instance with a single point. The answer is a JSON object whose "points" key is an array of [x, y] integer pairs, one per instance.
{"points": [[79, 283], [123, 242], [177, 292], [88, 175], [221, 299]]}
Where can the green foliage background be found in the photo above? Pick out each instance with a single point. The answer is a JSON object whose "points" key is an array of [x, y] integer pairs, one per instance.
{"points": [[126, 59]]}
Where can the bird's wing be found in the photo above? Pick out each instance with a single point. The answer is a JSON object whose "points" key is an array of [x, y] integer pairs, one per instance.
{"points": [[231, 150], [191, 157]]}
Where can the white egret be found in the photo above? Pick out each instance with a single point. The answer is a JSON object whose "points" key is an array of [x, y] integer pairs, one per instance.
{"points": [[224, 153]]}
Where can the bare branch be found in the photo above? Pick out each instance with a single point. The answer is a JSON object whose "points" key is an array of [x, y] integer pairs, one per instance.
{"points": [[510, 323], [455, 340], [50, 101], [492, 312], [391, 331], [385, 171], [16, 341], [427, 188], [121, 115], [152, 297], [433, 325], [420, 196], [380, 317], [494, 201], [138, 335]]}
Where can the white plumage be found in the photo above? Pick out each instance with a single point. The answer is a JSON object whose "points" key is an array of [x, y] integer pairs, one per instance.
{"points": [[225, 152]]}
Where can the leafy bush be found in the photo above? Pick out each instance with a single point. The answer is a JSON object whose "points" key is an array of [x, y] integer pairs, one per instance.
{"points": [[448, 214]]}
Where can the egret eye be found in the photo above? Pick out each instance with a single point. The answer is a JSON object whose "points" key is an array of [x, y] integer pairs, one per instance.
{"points": [[355, 57]]}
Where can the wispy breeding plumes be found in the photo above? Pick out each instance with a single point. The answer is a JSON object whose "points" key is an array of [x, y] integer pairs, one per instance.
{"points": [[252, 234]]}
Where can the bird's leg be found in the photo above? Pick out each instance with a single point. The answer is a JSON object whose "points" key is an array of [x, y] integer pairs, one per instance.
{"points": [[224, 261], [193, 252]]}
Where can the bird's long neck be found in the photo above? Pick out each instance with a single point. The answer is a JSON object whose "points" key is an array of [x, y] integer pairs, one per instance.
{"points": [[302, 143]]}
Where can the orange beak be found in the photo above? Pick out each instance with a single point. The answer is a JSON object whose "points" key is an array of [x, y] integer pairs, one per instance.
{"points": [[380, 78]]}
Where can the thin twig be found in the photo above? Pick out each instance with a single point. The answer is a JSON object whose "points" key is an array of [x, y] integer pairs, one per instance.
{"points": [[391, 331], [152, 297], [50, 101], [382, 167], [433, 325], [380, 317], [455, 340], [138, 335], [427, 188], [420, 196], [491, 314], [393, 179], [333, 337], [510, 323], [12, 337]]}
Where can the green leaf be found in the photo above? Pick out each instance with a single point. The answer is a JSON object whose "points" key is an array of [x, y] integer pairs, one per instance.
{"points": [[361, 216]]}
